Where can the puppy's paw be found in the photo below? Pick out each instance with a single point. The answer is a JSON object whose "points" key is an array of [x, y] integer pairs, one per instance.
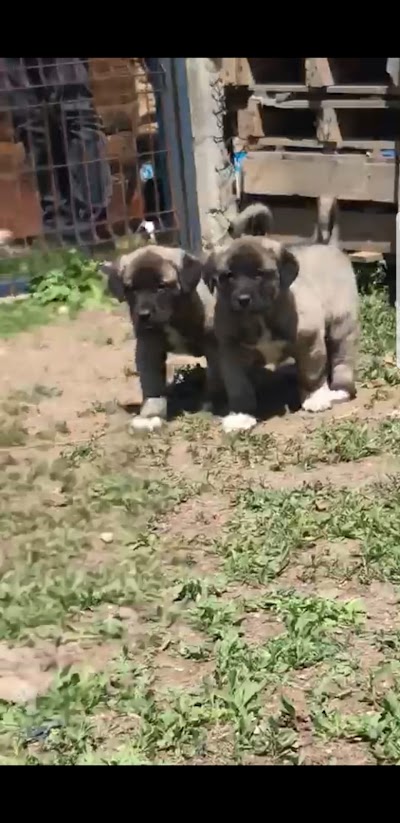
{"points": [[149, 424], [154, 407], [238, 422], [340, 396], [319, 400]]}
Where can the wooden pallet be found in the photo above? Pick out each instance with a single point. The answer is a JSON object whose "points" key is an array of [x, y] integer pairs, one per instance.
{"points": [[369, 228], [342, 74], [317, 127]]}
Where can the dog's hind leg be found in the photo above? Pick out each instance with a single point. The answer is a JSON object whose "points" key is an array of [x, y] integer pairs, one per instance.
{"points": [[342, 340], [312, 363]]}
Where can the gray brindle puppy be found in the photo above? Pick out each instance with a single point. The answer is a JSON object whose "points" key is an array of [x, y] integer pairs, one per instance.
{"points": [[275, 302], [172, 311]]}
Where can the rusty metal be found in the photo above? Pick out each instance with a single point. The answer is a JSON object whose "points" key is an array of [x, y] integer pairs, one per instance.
{"points": [[84, 153]]}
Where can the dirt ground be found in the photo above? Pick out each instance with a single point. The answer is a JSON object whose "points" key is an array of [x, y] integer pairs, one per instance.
{"points": [[185, 596]]}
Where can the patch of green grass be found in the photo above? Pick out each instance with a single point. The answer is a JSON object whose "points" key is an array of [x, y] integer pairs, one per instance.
{"points": [[269, 530], [23, 315], [76, 283], [64, 280], [378, 339]]}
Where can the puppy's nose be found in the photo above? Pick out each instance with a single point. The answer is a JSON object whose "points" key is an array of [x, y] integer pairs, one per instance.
{"points": [[244, 300], [144, 314]]}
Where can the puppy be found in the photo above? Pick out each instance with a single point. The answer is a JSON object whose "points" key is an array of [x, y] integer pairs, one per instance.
{"points": [[279, 302], [171, 311]]}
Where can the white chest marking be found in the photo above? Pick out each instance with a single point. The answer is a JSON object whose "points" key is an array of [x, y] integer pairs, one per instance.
{"points": [[273, 351], [176, 342]]}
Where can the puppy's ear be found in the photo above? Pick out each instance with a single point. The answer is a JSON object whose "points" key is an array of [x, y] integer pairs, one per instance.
{"points": [[115, 284], [288, 268], [189, 273], [209, 274]]}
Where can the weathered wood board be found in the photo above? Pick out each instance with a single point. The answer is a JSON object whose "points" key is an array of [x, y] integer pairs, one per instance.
{"points": [[348, 177]]}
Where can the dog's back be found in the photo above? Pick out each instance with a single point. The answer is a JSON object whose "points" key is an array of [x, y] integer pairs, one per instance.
{"points": [[326, 274]]}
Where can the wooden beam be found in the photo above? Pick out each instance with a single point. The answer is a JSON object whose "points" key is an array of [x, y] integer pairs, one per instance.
{"points": [[229, 71], [348, 177], [259, 143], [214, 173], [358, 230], [260, 95], [328, 129], [318, 71], [244, 75]]}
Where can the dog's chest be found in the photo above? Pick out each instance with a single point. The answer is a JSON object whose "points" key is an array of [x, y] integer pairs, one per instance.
{"points": [[183, 343], [176, 341], [272, 348]]}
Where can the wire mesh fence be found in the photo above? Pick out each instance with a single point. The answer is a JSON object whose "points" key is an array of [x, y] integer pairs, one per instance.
{"points": [[84, 160]]}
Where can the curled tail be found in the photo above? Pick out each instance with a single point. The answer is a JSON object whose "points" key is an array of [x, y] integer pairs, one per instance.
{"points": [[255, 220], [327, 221]]}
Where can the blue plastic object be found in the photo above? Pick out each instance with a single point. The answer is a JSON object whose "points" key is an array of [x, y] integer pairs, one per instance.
{"points": [[238, 158], [9, 288], [146, 172]]}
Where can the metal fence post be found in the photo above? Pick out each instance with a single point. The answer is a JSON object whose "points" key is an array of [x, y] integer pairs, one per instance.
{"points": [[178, 132]]}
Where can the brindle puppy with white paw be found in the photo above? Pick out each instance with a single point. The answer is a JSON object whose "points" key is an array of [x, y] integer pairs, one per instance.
{"points": [[172, 311], [276, 303]]}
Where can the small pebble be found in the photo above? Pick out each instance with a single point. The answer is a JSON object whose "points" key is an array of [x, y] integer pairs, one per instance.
{"points": [[107, 537]]}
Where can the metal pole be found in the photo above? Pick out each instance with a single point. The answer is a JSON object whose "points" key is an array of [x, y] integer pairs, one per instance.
{"points": [[187, 154]]}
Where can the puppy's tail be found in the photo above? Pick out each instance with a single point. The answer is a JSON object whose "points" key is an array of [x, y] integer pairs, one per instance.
{"points": [[327, 221], [255, 220]]}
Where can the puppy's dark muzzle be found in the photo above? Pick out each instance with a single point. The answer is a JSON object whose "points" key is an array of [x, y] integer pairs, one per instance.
{"points": [[144, 319], [242, 302], [144, 314]]}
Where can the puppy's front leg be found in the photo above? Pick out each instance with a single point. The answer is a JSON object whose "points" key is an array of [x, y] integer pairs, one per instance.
{"points": [[241, 394], [312, 364], [151, 366], [215, 389]]}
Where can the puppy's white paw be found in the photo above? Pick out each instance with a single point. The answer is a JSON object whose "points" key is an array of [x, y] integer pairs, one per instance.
{"points": [[339, 396], [145, 423], [207, 407], [319, 400], [154, 407], [238, 422]]}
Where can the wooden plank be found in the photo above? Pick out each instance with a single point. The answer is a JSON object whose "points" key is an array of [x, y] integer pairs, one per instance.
{"points": [[244, 75], [249, 121], [318, 71], [259, 143], [349, 177], [366, 231], [328, 129], [262, 98], [378, 89], [366, 257], [229, 71]]}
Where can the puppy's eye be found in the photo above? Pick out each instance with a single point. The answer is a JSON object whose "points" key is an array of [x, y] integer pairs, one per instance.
{"points": [[225, 275]]}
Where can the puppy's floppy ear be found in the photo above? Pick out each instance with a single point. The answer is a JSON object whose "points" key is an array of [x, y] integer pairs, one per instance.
{"points": [[189, 272], [210, 275], [115, 284], [288, 268]]}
